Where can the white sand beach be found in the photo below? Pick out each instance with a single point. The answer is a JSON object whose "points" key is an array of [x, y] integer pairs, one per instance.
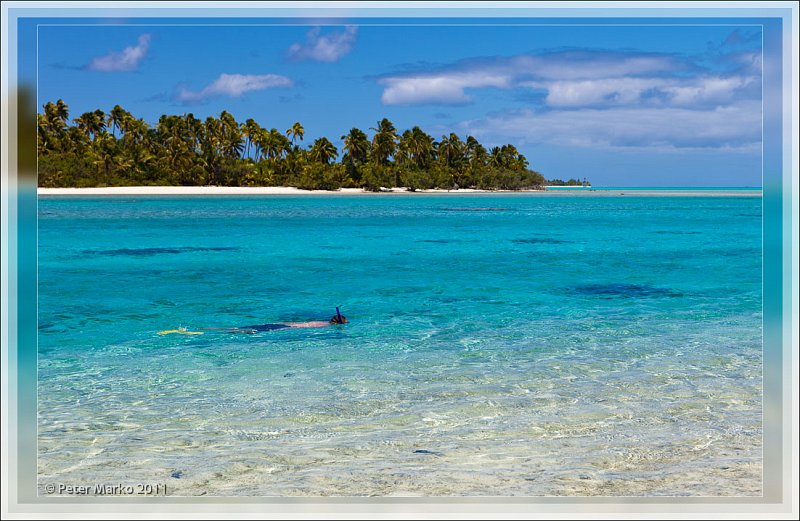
{"points": [[286, 190]]}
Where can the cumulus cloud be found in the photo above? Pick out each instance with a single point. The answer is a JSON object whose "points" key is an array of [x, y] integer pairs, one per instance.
{"points": [[702, 90], [736, 127], [718, 90], [567, 93], [235, 85], [574, 65], [580, 78], [750, 62], [324, 48], [127, 60], [444, 89], [447, 85]]}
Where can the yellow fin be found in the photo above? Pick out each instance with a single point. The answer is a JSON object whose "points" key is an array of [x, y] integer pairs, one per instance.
{"points": [[180, 332]]}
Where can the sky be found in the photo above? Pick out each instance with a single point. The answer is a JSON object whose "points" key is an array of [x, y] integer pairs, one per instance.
{"points": [[621, 105]]}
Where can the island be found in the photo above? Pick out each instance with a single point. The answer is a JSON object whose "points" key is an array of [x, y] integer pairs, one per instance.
{"points": [[117, 149]]}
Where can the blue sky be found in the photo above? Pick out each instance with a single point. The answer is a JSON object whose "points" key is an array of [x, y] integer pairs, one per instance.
{"points": [[619, 104]]}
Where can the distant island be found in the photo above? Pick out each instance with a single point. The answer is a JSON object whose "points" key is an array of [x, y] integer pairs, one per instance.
{"points": [[99, 149], [569, 182]]}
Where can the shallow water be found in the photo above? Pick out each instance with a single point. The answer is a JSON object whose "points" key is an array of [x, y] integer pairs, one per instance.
{"points": [[497, 345]]}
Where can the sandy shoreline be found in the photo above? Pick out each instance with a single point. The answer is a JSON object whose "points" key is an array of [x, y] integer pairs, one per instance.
{"points": [[285, 190]]}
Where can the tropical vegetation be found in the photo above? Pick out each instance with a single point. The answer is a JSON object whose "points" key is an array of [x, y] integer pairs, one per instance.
{"points": [[116, 148], [569, 182]]}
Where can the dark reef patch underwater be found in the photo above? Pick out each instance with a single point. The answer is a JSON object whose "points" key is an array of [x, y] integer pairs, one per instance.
{"points": [[147, 252], [539, 240], [624, 291]]}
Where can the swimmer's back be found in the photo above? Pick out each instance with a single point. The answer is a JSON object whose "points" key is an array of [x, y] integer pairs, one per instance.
{"points": [[315, 323], [285, 325], [265, 327]]}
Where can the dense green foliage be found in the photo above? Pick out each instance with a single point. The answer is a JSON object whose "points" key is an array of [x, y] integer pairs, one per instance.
{"points": [[117, 149], [571, 182]]}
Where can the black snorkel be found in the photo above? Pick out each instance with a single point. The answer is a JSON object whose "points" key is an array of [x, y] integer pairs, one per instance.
{"points": [[339, 316]]}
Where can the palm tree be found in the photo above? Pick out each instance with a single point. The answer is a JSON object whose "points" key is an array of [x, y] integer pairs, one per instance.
{"points": [[117, 119], [420, 148], [384, 142], [104, 150], [521, 162], [135, 131], [271, 147], [295, 131], [451, 151], [356, 146], [211, 147], [230, 138], [98, 121], [322, 151], [273, 144], [282, 144], [92, 123], [249, 129], [44, 138], [259, 139], [76, 142], [62, 111], [232, 143], [477, 156], [191, 131], [402, 156], [52, 125], [56, 116], [496, 158]]}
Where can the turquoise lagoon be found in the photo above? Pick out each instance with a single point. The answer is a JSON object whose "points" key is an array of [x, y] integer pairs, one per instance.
{"points": [[498, 345]]}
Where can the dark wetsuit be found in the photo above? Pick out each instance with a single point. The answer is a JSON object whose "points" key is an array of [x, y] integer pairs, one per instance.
{"points": [[266, 327]]}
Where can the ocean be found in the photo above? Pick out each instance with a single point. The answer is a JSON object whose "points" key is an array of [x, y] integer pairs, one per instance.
{"points": [[497, 345]]}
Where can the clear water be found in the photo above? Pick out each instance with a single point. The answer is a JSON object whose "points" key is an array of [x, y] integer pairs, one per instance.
{"points": [[498, 345]]}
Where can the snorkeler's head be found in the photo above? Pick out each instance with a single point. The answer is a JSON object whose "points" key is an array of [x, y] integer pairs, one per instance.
{"points": [[338, 318]]}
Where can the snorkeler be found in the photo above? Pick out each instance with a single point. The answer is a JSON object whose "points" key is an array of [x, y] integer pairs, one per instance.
{"points": [[336, 319]]}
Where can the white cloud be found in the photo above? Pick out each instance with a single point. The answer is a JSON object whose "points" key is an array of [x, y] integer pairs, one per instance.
{"points": [[580, 78], [447, 85], [443, 89], [573, 65], [752, 61], [633, 90], [710, 89], [127, 60], [324, 48], [235, 85], [736, 127], [571, 93]]}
